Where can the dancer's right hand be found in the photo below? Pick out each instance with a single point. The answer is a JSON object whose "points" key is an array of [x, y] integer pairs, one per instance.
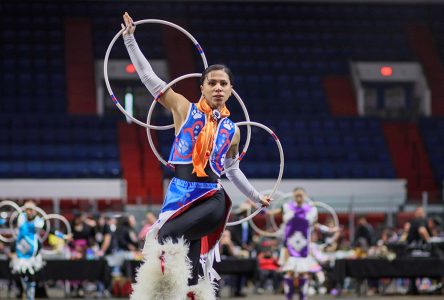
{"points": [[129, 25]]}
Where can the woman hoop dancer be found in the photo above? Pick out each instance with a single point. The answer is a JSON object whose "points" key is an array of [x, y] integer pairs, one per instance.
{"points": [[195, 208]]}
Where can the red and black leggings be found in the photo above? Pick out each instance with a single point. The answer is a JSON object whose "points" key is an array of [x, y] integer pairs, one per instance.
{"points": [[199, 220]]}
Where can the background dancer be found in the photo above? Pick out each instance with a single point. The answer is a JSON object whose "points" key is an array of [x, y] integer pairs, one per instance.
{"points": [[299, 219], [27, 260]]}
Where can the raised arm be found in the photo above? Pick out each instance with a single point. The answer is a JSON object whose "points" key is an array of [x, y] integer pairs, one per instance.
{"points": [[237, 177], [174, 102]]}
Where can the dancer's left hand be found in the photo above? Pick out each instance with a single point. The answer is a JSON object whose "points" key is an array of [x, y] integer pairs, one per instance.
{"points": [[265, 201], [68, 237]]}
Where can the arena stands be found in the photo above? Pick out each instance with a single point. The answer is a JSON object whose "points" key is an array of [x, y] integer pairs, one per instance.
{"points": [[296, 62]]}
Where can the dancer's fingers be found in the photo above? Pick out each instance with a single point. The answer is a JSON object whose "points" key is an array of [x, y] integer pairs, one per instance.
{"points": [[126, 19], [129, 20], [265, 201]]}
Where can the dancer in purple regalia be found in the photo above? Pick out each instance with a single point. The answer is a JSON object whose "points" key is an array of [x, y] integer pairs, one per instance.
{"points": [[299, 218]]}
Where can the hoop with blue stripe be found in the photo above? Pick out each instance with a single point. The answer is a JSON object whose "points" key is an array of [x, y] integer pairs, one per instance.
{"points": [[108, 51]]}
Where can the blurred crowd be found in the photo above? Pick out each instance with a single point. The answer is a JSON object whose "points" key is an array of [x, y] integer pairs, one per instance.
{"points": [[416, 239], [118, 238], [114, 237]]}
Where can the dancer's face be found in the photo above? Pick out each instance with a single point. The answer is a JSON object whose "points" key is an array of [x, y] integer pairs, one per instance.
{"points": [[216, 88], [299, 197], [29, 213]]}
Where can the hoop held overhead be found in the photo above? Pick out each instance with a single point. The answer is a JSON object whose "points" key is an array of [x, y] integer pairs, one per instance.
{"points": [[108, 51]]}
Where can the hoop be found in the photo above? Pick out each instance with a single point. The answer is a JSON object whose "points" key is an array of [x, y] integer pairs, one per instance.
{"points": [[36, 209], [165, 127], [68, 230], [258, 230], [105, 63], [278, 230], [17, 210], [281, 169], [325, 206], [330, 210]]}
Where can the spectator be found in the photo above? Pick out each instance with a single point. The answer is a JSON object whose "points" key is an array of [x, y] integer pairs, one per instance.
{"points": [[150, 219], [388, 236], [111, 221], [102, 239], [117, 256], [82, 239], [417, 231], [102, 236], [268, 260], [82, 236], [434, 230], [126, 247], [364, 231], [242, 234], [126, 236], [403, 232], [226, 244], [417, 235], [229, 249], [434, 227]]}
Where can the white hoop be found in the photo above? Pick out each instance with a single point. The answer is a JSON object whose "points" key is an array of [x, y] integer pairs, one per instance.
{"points": [[68, 230], [17, 210], [330, 210], [108, 51], [281, 169], [37, 209], [278, 230], [165, 127], [258, 230], [311, 202]]}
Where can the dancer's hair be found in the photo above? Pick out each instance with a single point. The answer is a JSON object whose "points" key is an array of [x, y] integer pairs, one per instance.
{"points": [[217, 67], [297, 189], [30, 203]]}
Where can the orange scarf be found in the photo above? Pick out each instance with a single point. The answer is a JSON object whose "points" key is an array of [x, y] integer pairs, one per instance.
{"points": [[204, 143]]}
